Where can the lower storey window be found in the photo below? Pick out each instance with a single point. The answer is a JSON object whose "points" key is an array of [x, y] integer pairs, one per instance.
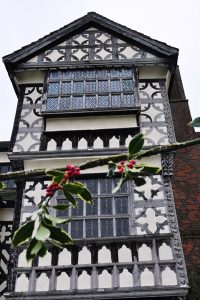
{"points": [[109, 215]]}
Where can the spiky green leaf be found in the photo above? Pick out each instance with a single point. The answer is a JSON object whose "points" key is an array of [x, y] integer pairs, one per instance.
{"points": [[42, 233], [136, 144], [60, 236], [23, 234], [61, 206], [54, 220], [56, 174], [195, 122], [2, 186], [119, 184], [35, 248], [68, 195], [80, 190]]}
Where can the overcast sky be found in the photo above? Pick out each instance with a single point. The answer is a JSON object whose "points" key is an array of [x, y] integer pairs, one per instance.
{"points": [[175, 22]]}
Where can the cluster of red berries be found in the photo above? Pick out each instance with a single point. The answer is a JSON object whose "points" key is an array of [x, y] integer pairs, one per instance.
{"points": [[121, 166], [70, 172], [52, 188]]}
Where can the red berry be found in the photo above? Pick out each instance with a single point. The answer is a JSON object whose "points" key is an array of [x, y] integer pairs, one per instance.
{"points": [[121, 170], [132, 161], [130, 166], [122, 162], [119, 167]]}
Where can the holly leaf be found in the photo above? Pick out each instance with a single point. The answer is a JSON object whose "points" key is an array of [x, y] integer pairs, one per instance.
{"points": [[68, 195], [54, 220], [35, 248], [111, 169], [137, 179], [60, 236], [80, 190], [56, 174], [2, 186], [136, 144], [42, 233], [148, 169], [119, 184], [61, 206], [195, 122], [23, 234]]}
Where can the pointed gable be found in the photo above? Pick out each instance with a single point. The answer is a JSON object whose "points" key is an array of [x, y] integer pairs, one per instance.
{"points": [[124, 43], [90, 45]]}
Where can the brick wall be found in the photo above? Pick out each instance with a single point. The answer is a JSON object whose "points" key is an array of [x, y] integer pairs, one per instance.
{"points": [[186, 181]]}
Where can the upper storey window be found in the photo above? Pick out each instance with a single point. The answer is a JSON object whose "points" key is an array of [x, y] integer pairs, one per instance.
{"points": [[91, 89]]}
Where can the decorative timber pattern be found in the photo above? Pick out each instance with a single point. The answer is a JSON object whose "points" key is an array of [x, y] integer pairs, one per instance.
{"points": [[156, 120], [5, 240], [30, 123], [93, 45], [127, 242]]}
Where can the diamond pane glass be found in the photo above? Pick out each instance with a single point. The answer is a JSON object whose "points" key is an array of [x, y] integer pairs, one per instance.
{"points": [[105, 186], [103, 86], [78, 87], [106, 227], [102, 74], [55, 75], [77, 229], [68, 75], [65, 103], [78, 210], [92, 185], [115, 86], [53, 88], [90, 74], [103, 101], [90, 87], [79, 74], [121, 205], [77, 103], [92, 209], [66, 87], [122, 227], [116, 101], [114, 73], [52, 104], [106, 206], [129, 100], [127, 85], [91, 228], [123, 188], [90, 102], [127, 73]]}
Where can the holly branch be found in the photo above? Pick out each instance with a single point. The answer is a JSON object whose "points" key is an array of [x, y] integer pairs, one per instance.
{"points": [[41, 228]]}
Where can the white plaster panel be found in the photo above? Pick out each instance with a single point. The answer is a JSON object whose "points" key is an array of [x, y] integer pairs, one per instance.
{"points": [[33, 59], [60, 162], [128, 52], [6, 214], [31, 77], [4, 157], [54, 56], [90, 123], [152, 72]]}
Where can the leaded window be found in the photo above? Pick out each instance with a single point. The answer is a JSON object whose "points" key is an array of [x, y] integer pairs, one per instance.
{"points": [[5, 168], [72, 90], [109, 216]]}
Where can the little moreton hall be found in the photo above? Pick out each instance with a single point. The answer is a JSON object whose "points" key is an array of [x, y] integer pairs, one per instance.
{"points": [[83, 92]]}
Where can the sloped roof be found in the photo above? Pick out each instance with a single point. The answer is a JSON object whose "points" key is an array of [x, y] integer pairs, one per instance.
{"points": [[91, 19]]}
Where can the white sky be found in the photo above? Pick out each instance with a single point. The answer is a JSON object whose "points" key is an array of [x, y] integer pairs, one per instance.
{"points": [[175, 22]]}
